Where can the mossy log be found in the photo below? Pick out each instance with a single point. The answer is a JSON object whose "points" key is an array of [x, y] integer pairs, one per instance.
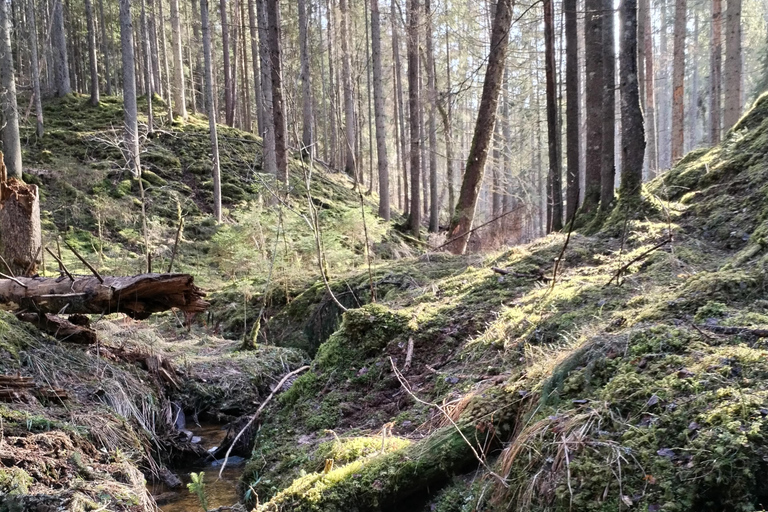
{"points": [[137, 296]]}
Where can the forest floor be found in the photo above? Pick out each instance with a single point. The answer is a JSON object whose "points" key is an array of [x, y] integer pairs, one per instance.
{"points": [[633, 380]]}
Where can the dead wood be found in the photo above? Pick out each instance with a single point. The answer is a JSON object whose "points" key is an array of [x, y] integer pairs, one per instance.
{"points": [[60, 328], [137, 296]]}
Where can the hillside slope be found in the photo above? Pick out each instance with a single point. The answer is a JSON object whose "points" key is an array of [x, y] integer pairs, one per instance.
{"points": [[636, 380]]}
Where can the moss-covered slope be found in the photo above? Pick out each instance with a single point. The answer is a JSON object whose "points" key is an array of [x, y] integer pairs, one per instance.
{"points": [[645, 390]]}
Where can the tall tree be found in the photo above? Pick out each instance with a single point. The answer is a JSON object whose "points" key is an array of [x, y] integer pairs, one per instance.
{"points": [[716, 66], [62, 84], [414, 108], [649, 90], [486, 118], [9, 112], [94, 66], [167, 87], [307, 135], [400, 107], [149, 87], [678, 85], [732, 68], [105, 49], [179, 91], [571, 108], [632, 131], [268, 130], [278, 109], [378, 105], [553, 124], [35, 66], [130, 110], [434, 202], [608, 163], [229, 100], [593, 57], [211, 111], [254, 34], [349, 102]]}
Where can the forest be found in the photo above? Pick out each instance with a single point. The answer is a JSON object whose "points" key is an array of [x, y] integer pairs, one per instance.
{"points": [[422, 255]]}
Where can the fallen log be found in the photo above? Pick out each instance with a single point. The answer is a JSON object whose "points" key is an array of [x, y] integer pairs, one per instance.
{"points": [[60, 328], [137, 296]]}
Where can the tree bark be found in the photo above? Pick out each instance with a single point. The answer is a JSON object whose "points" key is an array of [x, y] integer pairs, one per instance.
{"points": [[229, 103], [20, 234], [307, 136], [350, 165], [94, 66], [650, 92], [179, 90], [732, 68], [211, 110], [148, 81], [414, 107], [716, 66], [486, 118], [608, 161], [400, 107], [167, 87], [268, 133], [254, 33], [9, 114], [571, 109], [381, 120], [678, 83], [62, 84], [632, 132], [278, 109], [35, 67], [553, 125], [137, 296], [593, 40], [130, 110]]}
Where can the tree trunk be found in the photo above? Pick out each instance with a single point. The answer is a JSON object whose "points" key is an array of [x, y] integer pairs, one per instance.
{"points": [[716, 65], [105, 49], [234, 23], [129, 88], [211, 110], [268, 133], [167, 87], [20, 235], [229, 101], [553, 125], [571, 109], [278, 109], [632, 132], [137, 296], [94, 66], [350, 165], [148, 85], [378, 105], [9, 114], [414, 106], [400, 107], [486, 118], [35, 67], [307, 136], [62, 84], [154, 51], [179, 100], [608, 161], [254, 33], [434, 204], [732, 68], [678, 83], [650, 93], [593, 40]]}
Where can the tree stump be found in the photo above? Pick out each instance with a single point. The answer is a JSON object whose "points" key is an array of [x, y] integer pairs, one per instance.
{"points": [[20, 238]]}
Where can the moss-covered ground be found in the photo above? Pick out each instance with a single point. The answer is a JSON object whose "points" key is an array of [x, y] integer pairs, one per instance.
{"points": [[635, 380]]}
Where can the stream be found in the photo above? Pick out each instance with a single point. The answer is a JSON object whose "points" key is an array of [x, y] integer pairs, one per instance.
{"points": [[220, 492]]}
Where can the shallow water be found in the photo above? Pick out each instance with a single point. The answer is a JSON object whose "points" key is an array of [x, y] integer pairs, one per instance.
{"points": [[220, 492]]}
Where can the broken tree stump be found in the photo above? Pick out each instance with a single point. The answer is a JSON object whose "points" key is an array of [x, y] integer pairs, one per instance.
{"points": [[20, 236]]}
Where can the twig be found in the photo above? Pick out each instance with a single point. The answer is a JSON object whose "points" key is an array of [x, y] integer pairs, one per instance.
{"points": [[635, 260], [480, 459], [469, 232], [562, 251], [34, 260], [14, 280], [256, 414], [62, 266], [84, 262], [8, 267]]}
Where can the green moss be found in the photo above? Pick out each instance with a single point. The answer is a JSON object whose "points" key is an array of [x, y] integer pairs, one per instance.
{"points": [[14, 481]]}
